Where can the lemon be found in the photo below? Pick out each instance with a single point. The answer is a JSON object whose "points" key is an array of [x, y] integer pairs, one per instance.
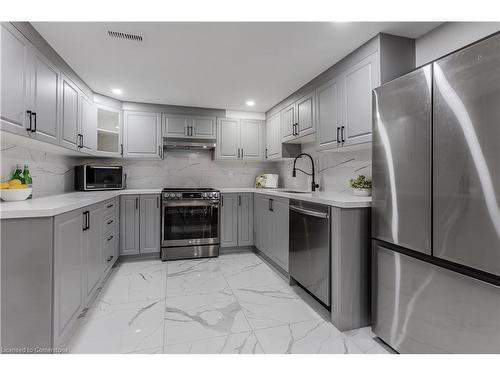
{"points": [[4, 185], [15, 182]]}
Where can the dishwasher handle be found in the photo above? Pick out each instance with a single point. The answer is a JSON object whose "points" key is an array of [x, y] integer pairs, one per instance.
{"points": [[304, 211]]}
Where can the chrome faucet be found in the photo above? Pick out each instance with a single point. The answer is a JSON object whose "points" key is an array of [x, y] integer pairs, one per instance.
{"points": [[314, 185]]}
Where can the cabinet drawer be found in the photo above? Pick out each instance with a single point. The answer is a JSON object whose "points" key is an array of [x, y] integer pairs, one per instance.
{"points": [[109, 223], [109, 208], [108, 248]]}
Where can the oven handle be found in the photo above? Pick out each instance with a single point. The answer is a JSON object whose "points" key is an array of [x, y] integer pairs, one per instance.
{"points": [[304, 211], [190, 203]]}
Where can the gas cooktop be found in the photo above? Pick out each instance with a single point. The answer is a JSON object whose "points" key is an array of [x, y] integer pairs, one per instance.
{"points": [[182, 189]]}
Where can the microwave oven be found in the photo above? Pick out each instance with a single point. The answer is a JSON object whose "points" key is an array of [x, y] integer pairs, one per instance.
{"points": [[94, 177]]}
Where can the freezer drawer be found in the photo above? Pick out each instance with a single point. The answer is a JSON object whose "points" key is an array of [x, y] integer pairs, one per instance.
{"points": [[401, 205], [309, 246], [466, 139], [418, 307]]}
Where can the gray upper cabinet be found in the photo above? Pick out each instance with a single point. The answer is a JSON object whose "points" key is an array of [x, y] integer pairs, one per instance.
{"points": [[70, 116], [273, 137], [92, 250], [45, 99], [251, 139], [240, 139], [68, 273], [204, 127], [142, 135], [288, 120], [360, 80], [185, 126], [129, 224], [305, 115], [229, 220], [149, 223], [228, 139], [245, 219], [15, 77], [88, 124], [329, 113]]}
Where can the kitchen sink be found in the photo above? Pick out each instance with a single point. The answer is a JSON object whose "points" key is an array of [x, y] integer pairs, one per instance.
{"points": [[295, 191]]}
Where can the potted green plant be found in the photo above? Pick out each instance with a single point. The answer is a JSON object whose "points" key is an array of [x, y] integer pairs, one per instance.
{"points": [[361, 186]]}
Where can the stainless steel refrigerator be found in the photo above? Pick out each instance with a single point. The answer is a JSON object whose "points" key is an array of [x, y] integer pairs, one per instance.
{"points": [[436, 205]]}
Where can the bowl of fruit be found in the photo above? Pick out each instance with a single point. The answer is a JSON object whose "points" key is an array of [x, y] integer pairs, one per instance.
{"points": [[14, 190]]}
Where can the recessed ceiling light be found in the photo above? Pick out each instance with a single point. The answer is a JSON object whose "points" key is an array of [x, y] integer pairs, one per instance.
{"points": [[117, 91], [250, 103]]}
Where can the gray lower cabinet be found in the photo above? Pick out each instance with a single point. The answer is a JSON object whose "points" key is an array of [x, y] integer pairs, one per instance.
{"points": [[237, 219], [271, 228], [68, 273], [139, 224], [149, 233], [129, 224], [92, 250]]}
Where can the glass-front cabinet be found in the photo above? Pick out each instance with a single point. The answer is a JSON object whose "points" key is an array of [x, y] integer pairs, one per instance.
{"points": [[109, 130]]}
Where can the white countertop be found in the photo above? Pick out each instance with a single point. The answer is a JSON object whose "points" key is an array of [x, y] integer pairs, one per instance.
{"points": [[331, 198], [58, 204]]}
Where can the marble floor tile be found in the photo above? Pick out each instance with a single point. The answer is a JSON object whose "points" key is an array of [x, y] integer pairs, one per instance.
{"points": [[196, 283], [273, 305], [179, 268], [247, 271], [155, 350], [120, 328], [311, 337], [196, 317], [236, 343], [132, 285]]}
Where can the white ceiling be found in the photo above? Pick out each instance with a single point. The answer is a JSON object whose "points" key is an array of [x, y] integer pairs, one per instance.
{"points": [[218, 65]]}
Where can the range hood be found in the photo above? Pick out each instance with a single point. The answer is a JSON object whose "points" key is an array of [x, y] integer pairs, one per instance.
{"points": [[188, 144]]}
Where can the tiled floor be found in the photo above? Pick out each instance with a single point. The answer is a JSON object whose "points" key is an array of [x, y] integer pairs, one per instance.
{"points": [[235, 303]]}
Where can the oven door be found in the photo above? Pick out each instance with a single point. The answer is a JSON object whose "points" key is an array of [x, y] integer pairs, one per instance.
{"points": [[188, 223]]}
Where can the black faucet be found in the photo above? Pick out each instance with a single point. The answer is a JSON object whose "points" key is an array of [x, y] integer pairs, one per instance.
{"points": [[314, 185]]}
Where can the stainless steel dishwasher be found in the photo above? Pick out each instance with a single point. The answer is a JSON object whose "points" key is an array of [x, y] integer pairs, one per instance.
{"points": [[310, 248]]}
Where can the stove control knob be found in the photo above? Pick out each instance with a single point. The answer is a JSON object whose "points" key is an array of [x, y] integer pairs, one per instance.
{"points": [[216, 195], [204, 195], [172, 195], [210, 195], [178, 195]]}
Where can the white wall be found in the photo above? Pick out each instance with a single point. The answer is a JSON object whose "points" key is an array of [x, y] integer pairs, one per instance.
{"points": [[449, 37]]}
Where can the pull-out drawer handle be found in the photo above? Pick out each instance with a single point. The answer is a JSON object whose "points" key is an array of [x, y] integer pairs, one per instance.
{"points": [[110, 238], [110, 221], [110, 258], [110, 205]]}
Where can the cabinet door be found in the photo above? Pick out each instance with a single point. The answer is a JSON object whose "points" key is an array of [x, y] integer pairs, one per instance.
{"points": [[149, 237], [264, 224], [142, 135], [280, 231], [68, 273], [273, 137], [92, 245], [251, 139], [204, 127], [174, 126], [70, 116], [15, 78], [257, 219], [359, 82], [229, 220], [329, 114], [228, 137], [305, 115], [129, 224], [45, 99], [287, 123], [245, 220], [88, 124], [109, 131]]}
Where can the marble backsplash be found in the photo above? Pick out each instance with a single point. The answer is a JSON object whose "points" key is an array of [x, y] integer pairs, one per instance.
{"points": [[53, 174], [333, 169]]}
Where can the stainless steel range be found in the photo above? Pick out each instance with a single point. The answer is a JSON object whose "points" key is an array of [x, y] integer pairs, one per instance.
{"points": [[190, 223]]}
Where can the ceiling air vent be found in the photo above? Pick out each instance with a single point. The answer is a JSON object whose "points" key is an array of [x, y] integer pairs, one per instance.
{"points": [[126, 36]]}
